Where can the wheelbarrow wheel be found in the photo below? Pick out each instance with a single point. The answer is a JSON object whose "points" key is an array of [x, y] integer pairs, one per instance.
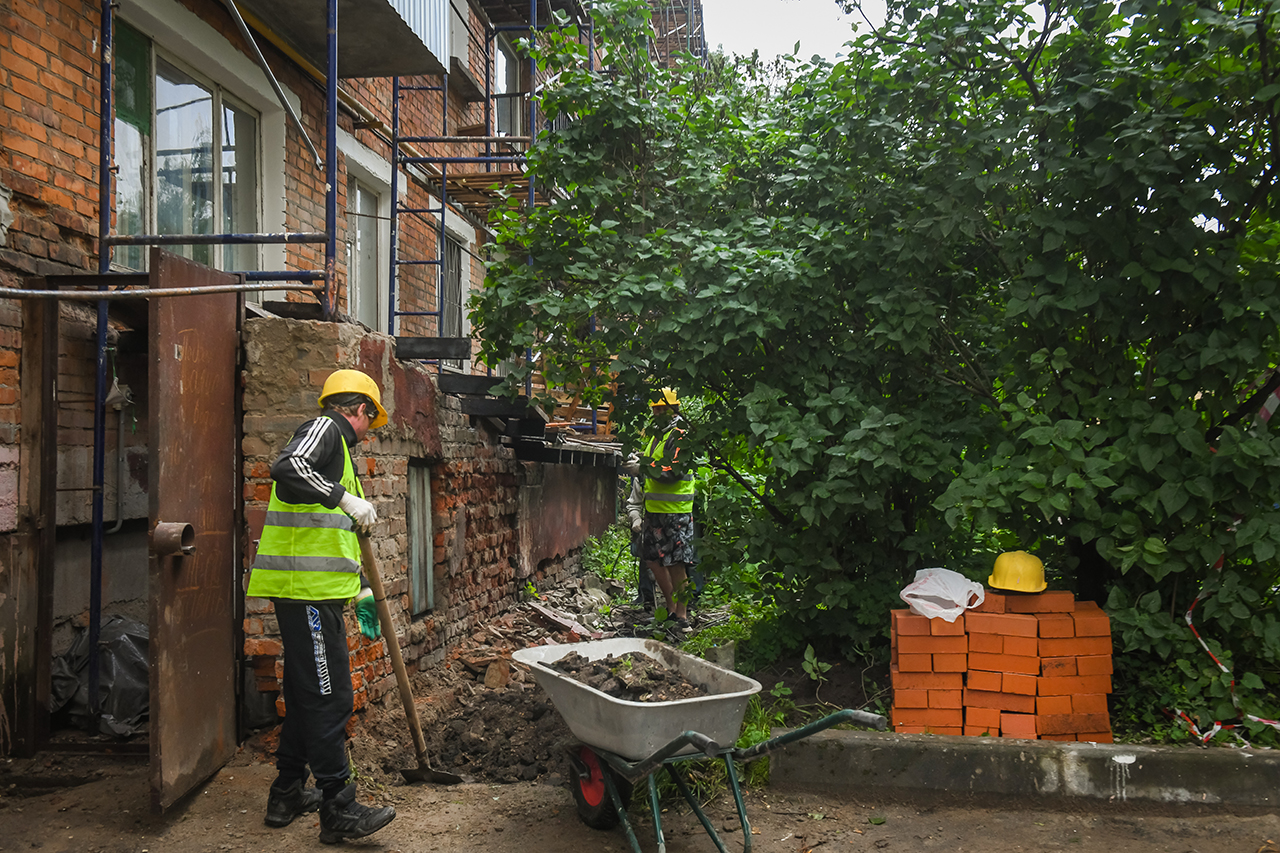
{"points": [[595, 807]]}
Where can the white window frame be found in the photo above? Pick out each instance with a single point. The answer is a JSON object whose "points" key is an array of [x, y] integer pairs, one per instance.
{"points": [[178, 32], [374, 171]]}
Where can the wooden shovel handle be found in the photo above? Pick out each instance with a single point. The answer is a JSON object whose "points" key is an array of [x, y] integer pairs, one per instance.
{"points": [[393, 646]]}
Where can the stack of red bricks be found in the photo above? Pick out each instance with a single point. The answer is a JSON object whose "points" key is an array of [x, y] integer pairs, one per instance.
{"points": [[1024, 666]]}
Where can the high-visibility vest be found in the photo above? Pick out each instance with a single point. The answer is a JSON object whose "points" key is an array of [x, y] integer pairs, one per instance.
{"points": [[308, 552], [673, 497]]}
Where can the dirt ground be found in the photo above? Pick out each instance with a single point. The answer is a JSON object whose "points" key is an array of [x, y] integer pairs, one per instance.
{"points": [[501, 733]]}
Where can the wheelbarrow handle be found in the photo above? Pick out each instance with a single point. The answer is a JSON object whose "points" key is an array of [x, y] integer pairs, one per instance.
{"points": [[848, 715]]}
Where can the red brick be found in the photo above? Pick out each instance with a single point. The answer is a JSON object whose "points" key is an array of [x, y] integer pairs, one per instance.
{"points": [[1071, 685], [1058, 737], [926, 717], [262, 646], [1094, 665], [993, 602], [1053, 647], [1025, 664], [915, 663], [1089, 703], [1009, 624], [906, 622], [978, 679], [1087, 605], [1052, 705], [1057, 624], [1013, 682], [914, 644], [982, 731], [992, 644], [987, 717], [1003, 701], [943, 628], [1053, 601], [1018, 725], [929, 730], [910, 698], [1058, 666], [945, 699], [926, 680], [1092, 623], [950, 663], [1062, 724], [1095, 737], [1022, 646]]}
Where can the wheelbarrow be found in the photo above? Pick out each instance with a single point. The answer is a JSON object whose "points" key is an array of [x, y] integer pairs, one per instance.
{"points": [[625, 742]]}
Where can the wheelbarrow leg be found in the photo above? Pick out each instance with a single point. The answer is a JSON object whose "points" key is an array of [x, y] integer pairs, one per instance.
{"points": [[622, 814], [737, 801], [693, 803], [657, 814]]}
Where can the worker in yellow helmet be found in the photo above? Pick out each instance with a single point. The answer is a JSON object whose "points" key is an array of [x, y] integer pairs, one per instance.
{"points": [[670, 485], [308, 564]]}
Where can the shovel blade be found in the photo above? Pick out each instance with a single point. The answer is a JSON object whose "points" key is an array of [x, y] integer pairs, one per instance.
{"points": [[427, 774]]}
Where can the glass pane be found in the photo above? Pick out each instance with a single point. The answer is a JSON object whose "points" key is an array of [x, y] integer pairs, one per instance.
{"points": [[131, 184], [184, 158], [239, 185]]}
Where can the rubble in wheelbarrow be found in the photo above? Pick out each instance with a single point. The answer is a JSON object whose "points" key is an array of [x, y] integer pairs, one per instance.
{"points": [[631, 676], [483, 716]]}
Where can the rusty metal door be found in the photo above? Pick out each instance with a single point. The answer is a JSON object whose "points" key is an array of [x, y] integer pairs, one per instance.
{"points": [[194, 343]]}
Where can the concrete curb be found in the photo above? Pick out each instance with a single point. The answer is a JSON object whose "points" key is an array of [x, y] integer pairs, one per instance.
{"points": [[862, 761]]}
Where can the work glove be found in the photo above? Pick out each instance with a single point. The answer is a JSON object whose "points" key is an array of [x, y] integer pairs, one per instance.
{"points": [[367, 614], [361, 512], [637, 526]]}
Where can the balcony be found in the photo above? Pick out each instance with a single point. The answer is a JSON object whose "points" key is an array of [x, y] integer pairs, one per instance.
{"points": [[376, 38]]}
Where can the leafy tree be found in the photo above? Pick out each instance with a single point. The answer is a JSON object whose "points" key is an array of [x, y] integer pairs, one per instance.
{"points": [[1010, 267]]}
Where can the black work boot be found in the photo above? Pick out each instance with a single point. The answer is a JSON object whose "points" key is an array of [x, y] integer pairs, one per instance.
{"points": [[342, 817], [285, 804]]}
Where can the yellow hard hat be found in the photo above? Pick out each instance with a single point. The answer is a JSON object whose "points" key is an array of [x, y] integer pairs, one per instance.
{"points": [[354, 382], [1018, 571], [666, 398]]}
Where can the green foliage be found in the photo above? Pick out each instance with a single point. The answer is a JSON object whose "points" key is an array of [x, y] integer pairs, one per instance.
{"points": [[608, 555], [1007, 268]]}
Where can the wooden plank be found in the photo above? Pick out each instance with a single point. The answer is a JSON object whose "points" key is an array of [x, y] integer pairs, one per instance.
{"points": [[459, 383], [457, 348]]}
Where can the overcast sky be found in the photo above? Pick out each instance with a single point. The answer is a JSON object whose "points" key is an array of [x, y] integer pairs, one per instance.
{"points": [[774, 26]]}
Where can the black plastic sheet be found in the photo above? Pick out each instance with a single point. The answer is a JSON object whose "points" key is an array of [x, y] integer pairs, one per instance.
{"points": [[123, 689]]}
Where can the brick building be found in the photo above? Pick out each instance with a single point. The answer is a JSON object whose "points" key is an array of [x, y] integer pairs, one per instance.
{"points": [[303, 223]]}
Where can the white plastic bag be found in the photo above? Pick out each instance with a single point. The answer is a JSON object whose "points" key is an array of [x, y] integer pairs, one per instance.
{"points": [[941, 593]]}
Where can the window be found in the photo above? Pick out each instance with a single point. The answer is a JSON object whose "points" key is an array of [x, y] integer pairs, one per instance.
{"points": [[509, 104], [451, 295], [364, 265], [421, 553], [188, 157]]}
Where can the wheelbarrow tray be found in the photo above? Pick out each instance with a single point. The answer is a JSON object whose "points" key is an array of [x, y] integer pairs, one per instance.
{"points": [[636, 730]]}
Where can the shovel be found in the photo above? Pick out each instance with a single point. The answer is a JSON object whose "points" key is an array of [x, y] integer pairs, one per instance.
{"points": [[423, 772]]}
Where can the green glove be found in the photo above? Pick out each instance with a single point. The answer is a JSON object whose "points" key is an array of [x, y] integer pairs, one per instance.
{"points": [[367, 613]]}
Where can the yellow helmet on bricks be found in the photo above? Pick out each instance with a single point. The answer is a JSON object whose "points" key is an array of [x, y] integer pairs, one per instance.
{"points": [[1017, 571], [354, 382]]}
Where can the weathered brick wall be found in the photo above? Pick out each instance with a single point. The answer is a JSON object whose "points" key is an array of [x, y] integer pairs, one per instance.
{"points": [[475, 485]]}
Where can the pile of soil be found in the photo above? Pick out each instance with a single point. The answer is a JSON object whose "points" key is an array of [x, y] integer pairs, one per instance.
{"points": [[633, 676]]}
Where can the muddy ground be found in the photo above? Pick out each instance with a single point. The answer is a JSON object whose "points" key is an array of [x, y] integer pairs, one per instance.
{"points": [[487, 720]]}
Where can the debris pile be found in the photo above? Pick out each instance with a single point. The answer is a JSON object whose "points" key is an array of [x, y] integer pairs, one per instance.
{"points": [[633, 676]]}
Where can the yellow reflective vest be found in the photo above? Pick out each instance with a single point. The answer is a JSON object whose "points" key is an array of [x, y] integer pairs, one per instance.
{"points": [[672, 497], [308, 552]]}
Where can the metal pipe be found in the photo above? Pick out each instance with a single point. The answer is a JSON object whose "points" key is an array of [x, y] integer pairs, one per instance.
{"points": [[330, 305], [142, 293], [214, 239], [105, 118], [395, 202], [266, 69]]}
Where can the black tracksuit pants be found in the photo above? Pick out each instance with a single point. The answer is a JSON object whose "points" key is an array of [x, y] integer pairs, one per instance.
{"points": [[318, 698]]}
